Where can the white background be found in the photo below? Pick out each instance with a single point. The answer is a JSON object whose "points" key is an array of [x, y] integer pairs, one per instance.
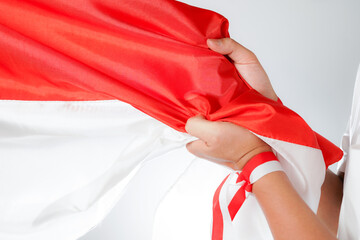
{"points": [[311, 52]]}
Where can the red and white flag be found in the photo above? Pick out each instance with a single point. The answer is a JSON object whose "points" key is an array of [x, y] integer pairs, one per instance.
{"points": [[81, 84]]}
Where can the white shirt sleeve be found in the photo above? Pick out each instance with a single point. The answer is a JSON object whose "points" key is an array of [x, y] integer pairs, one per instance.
{"points": [[349, 222], [351, 136], [345, 144]]}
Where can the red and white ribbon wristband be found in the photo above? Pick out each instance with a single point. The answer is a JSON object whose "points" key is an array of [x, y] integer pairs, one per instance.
{"points": [[257, 167]]}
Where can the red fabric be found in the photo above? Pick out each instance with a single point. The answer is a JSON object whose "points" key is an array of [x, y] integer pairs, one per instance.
{"points": [[218, 224], [151, 54], [239, 198]]}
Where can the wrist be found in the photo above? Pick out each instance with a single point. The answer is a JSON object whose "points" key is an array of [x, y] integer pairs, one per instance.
{"points": [[248, 156], [257, 167]]}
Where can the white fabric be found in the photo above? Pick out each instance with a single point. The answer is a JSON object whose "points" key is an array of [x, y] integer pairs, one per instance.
{"points": [[349, 222], [189, 203], [64, 165], [263, 169]]}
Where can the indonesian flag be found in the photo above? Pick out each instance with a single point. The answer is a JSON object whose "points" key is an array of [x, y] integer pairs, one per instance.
{"points": [[90, 89]]}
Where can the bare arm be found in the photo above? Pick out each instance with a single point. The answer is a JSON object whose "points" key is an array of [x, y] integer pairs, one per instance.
{"points": [[330, 201], [287, 214]]}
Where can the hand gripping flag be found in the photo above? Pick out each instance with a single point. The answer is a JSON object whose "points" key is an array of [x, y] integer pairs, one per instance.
{"points": [[68, 69]]}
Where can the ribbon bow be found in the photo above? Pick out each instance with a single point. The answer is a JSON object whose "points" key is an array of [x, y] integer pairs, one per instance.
{"points": [[240, 196], [255, 168]]}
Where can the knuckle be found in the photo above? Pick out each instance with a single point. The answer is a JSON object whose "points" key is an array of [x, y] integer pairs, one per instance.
{"points": [[228, 41], [189, 124], [251, 56], [215, 139], [217, 134], [187, 127]]}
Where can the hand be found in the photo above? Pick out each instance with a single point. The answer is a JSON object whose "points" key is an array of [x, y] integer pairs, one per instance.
{"points": [[246, 63], [223, 142], [233, 146]]}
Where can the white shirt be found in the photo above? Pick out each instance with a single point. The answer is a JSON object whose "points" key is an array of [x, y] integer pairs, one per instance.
{"points": [[349, 222]]}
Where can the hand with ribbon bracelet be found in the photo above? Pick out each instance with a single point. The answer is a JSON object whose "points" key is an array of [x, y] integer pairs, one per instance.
{"points": [[233, 146]]}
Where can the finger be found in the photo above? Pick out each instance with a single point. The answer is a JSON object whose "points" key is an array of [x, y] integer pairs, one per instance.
{"points": [[197, 147], [238, 53], [246, 63], [201, 128], [201, 150]]}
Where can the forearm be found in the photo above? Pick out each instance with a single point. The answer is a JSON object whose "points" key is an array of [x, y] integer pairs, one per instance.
{"points": [[330, 201], [287, 214]]}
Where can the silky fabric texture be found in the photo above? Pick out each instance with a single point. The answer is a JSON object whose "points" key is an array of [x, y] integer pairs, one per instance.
{"points": [[152, 55], [65, 164]]}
